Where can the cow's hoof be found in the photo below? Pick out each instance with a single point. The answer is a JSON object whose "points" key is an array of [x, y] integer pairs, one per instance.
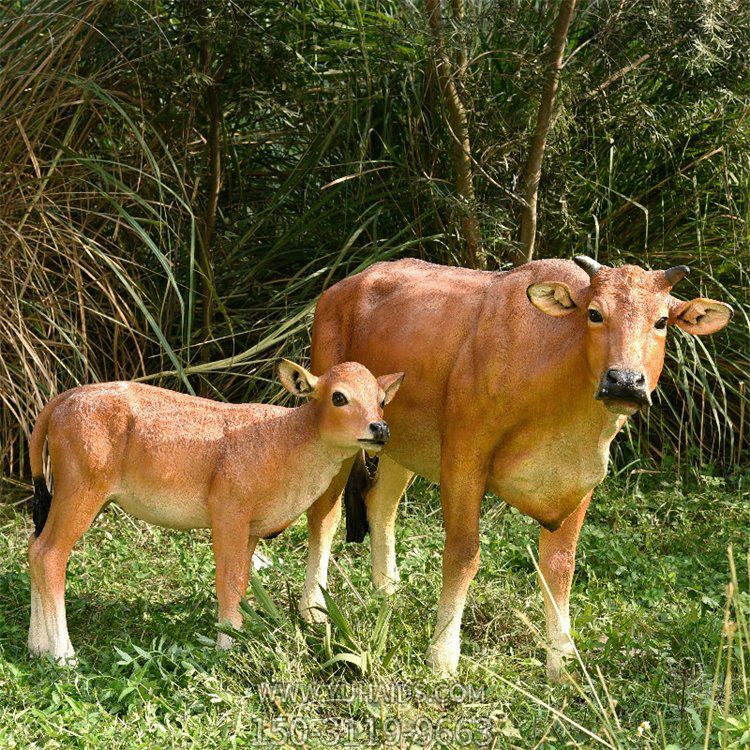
{"points": [[312, 611], [557, 660], [66, 659], [69, 660], [443, 659]]}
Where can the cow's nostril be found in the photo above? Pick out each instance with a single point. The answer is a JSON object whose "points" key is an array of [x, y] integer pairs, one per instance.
{"points": [[640, 379], [612, 376]]}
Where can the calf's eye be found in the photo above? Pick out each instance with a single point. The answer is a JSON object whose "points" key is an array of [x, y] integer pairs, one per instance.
{"points": [[339, 399], [661, 324], [595, 316]]}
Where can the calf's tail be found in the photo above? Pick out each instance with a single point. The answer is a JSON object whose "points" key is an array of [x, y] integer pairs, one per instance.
{"points": [[361, 479], [42, 497]]}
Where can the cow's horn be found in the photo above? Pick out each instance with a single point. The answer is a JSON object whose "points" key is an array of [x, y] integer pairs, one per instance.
{"points": [[587, 264], [675, 274]]}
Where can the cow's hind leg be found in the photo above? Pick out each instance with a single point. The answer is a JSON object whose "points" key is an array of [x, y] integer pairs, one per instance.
{"points": [[557, 559], [70, 515], [382, 504], [323, 519]]}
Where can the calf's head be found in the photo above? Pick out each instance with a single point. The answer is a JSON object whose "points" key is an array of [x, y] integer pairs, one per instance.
{"points": [[626, 312], [350, 402]]}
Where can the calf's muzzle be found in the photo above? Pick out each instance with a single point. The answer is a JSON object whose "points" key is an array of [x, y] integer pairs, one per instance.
{"points": [[627, 386], [379, 432]]}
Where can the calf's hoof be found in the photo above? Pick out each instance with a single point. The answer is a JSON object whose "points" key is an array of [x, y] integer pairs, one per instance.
{"points": [[386, 585], [443, 659], [65, 658], [224, 641], [312, 611]]}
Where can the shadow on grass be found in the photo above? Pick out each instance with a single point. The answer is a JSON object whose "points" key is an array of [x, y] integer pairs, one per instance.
{"points": [[97, 623]]}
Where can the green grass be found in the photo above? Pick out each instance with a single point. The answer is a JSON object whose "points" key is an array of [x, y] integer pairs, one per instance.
{"points": [[648, 609]]}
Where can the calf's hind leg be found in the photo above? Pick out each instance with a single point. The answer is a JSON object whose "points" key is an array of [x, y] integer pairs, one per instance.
{"points": [[70, 516], [382, 504]]}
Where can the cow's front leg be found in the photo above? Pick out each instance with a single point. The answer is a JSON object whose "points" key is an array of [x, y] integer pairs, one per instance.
{"points": [[233, 552], [557, 559], [462, 484], [382, 505]]}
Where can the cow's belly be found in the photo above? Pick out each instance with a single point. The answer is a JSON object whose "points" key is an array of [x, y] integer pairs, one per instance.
{"points": [[162, 507]]}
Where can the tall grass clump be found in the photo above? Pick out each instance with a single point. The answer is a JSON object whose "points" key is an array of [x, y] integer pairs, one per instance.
{"points": [[180, 181]]}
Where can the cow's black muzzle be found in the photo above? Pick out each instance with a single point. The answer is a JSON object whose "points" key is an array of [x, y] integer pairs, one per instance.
{"points": [[626, 388]]}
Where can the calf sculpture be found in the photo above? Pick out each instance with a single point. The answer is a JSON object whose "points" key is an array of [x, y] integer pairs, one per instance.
{"points": [[517, 383], [245, 471]]}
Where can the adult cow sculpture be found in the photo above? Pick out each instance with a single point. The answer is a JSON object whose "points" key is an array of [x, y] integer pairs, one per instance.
{"points": [[515, 382]]}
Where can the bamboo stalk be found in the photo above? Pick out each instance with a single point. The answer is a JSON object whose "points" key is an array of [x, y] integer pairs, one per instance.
{"points": [[533, 170], [459, 130]]}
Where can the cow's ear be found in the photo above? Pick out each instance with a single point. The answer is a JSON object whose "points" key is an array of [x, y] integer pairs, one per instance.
{"points": [[551, 297], [700, 316], [296, 379]]}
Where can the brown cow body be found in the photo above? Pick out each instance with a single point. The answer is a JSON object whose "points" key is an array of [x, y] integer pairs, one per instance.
{"points": [[546, 444], [497, 396]]}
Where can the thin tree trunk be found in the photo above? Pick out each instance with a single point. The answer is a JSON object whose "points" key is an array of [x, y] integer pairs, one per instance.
{"points": [[458, 125], [212, 198], [533, 170]]}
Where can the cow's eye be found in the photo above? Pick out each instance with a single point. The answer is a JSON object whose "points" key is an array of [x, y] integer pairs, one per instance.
{"points": [[661, 324], [339, 399], [595, 316]]}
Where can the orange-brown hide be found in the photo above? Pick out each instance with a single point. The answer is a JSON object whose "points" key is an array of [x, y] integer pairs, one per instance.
{"points": [[245, 471], [503, 391]]}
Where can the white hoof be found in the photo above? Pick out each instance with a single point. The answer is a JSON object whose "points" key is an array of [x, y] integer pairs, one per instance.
{"points": [[312, 611], [224, 642], [556, 661], [64, 657], [385, 584], [443, 659]]}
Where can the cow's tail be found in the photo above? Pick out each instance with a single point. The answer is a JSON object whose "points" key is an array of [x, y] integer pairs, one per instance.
{"points": [[361, 479], [42, 497]]}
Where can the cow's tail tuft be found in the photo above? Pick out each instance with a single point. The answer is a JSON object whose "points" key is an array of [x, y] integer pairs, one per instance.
{"points": [[361, 479], [41, 504], [42, 497]]}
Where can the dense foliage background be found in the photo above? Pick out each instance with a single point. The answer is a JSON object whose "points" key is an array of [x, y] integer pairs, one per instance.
{"points": [[180, 180]]}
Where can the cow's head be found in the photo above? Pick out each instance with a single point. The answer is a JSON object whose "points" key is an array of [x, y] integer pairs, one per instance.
{"points": [[627, 311]]}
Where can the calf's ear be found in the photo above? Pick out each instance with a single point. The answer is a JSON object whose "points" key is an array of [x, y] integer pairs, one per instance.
{"points": [[551, 297], [390, 384], [296, 379], [700, 316]]}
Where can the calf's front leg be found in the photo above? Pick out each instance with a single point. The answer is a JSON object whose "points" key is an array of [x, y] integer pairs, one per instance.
{"points": [[323, 518], [462, 483], [233, 551], [557, 560]]}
